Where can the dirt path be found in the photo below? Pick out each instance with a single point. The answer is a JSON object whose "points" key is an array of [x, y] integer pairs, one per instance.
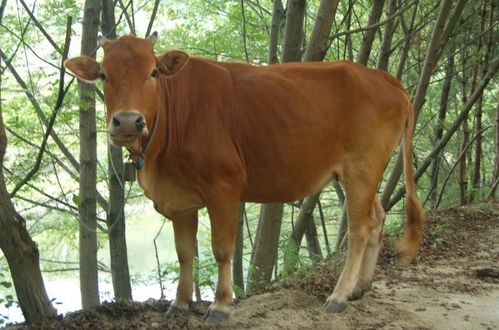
{"points": [[453, 284]]}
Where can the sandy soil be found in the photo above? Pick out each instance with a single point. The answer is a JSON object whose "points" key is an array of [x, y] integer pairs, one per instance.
{"points": [[452, 284]]}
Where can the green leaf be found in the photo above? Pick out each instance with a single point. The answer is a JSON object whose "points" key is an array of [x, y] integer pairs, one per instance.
{"points": [[6, 284], [77, 199]]}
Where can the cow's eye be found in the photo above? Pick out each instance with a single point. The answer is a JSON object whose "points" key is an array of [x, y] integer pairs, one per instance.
{"points": [[155, 73], [102, 76]]}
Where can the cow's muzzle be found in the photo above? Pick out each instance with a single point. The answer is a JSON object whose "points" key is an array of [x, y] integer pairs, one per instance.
{"points": [[125, 127]]}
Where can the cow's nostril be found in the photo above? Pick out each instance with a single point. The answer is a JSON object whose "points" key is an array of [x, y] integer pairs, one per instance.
{"points": [[116, 122], [139, 123]]}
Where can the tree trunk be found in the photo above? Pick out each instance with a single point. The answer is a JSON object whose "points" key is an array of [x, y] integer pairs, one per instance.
{"points": [[314, 247], [88, 165], [22, 256], [348, 36], [277, 12], [291, 256], [386, 44], [407, 43], [316, 48], [368, 39], [495, 176], [116, 212], [463, 178], [293, 31], [237, 263], [264, 254], [479, 111], [439, 127], [16, 244]]}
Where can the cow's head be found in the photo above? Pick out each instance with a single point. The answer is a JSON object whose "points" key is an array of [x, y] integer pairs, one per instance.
{"points": [[130, 72]]}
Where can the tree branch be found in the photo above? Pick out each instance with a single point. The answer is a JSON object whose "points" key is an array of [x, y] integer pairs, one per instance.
{"points": [[366, 28], [58, 105], [42, 29]]}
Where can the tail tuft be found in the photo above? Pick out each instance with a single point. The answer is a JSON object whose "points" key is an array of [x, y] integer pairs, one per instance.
{"points": [[409, 244]]}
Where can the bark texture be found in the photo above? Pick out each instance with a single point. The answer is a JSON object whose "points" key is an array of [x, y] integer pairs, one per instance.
{"points": [[264, 254], [116, 212], [88, 165], [293, 31]]}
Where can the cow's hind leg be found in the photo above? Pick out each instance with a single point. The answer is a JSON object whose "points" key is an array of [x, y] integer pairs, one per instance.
{"points": [[223, 218], [360, 192], [371, 254], [184, 229]]}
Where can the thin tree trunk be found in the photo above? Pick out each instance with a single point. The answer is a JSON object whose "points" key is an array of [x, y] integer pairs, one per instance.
{"points": [[495, 176], [476, 178], [300, 226], [264, 253], [237, 264], [407, 44], [343, 226], [368, 39], [463, 181], [16, 244], [314, 247], [116, 213], [88, 165], [277, 12], [386, 44], [458, 160], [348, 36], [466, 194], [293, 31], [316, 48], [439, 127]]}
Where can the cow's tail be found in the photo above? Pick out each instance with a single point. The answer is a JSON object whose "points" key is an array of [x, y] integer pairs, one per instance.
{"points": [[411, 239]]}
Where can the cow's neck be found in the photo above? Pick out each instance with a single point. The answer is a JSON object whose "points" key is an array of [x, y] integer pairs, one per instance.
{"points": [[137, 155]]}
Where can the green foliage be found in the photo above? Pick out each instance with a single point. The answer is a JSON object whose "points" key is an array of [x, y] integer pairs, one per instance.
{"points": [[6, 295], [205, 270], [438, 233]]}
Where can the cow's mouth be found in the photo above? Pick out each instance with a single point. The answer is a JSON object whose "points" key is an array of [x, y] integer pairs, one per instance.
{"points": [[123, 140]]}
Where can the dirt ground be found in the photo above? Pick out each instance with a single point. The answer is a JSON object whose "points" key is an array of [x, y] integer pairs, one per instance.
{"points": [[452, 284]]}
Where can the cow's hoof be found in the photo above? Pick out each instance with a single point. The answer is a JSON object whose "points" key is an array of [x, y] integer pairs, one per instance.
{"points": [[174, 310], [356, 295], [214, 316], [332, 306]]}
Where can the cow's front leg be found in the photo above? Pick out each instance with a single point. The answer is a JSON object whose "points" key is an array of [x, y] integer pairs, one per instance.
{"points": [[223, 218], [184, 229]]}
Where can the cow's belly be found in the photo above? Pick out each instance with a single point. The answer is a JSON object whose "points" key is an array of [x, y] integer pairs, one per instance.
{"points": [[287, 187]]}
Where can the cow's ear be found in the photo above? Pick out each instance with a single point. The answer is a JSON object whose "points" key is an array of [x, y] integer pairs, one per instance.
{"points": [[171, 62], [84, 67]]}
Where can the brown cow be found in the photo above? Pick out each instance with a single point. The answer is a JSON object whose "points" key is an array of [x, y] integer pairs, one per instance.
{"points": [[212, 134]]}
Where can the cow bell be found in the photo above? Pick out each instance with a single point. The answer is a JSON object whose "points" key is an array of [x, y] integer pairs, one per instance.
{"points": [[129, 172]]}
